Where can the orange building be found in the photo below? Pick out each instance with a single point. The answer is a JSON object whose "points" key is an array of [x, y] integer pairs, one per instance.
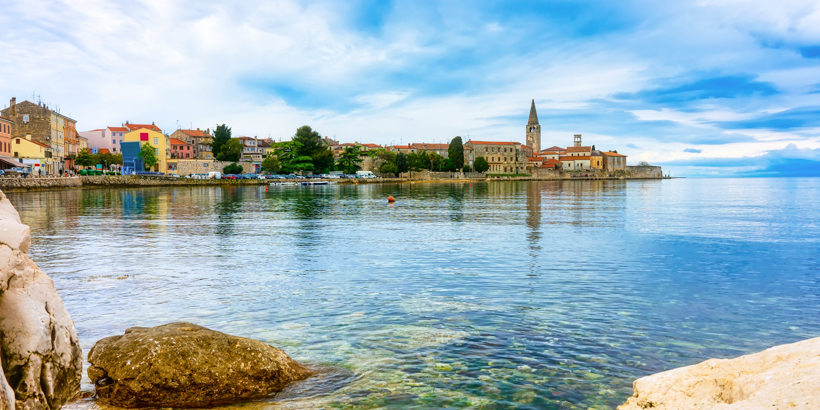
{"points": [[5, 136]]}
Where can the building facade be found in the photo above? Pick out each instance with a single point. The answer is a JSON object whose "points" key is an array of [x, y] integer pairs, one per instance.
{"points": [[502, 156], [200, 140], [181, 149], [150, 134], [533, 130], [614, 161], [36, 122], [110, 138], [5, 136]]}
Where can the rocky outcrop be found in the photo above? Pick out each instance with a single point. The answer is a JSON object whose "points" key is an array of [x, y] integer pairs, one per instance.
{"points": [[41, 355], [782, 377], [185, 365], [6, 393]]}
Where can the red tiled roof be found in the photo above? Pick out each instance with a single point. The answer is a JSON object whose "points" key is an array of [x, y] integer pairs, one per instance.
{"points": [[117, 129], [175, 141], [553, 148], [401, 147], [371, 145], [493, 143], [524, 146], [578, 149], [535, 158], [245, 138], [104, 151], [193, 133], [134, 127], [580, 158], [6, 119], [552, 161], [613, 154]]}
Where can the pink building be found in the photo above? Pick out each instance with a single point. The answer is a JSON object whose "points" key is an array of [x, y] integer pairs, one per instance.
{"points": [[181, 149], [109, 138]]}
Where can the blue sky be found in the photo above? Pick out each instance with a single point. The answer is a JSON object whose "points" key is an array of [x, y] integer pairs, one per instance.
{"points": [[719, 88]]}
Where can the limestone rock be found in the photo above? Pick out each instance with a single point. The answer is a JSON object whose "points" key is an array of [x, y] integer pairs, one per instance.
{"points": [[42, 359], [783, 377], [185, 365], [6, 393]]}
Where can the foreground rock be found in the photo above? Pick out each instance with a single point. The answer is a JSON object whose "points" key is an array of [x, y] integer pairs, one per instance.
{"points": [[41, 355], [185, 365], [782, 377]]}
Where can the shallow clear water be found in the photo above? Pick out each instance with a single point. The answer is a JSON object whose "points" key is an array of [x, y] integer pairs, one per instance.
{"points": [[540, 295]]}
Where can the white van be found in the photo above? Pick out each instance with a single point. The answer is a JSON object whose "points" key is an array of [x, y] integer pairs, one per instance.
{"points": [[365, 174], [214, 175]]}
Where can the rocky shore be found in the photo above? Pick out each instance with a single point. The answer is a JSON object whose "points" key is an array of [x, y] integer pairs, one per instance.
{"points": [[41, 356], [783, 377]]}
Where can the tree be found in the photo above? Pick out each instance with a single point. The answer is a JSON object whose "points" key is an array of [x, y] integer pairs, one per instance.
{"points": [[593, 147], [388, 168], [467, 168], [456, 152], [401, 163], [644, 164], [287, 152], [116, 159], [481, 165], [271, 165], [311, 145], [84, 158], [148, 155], [233, 169], [231, 151], [222, 135], [349, 159]]}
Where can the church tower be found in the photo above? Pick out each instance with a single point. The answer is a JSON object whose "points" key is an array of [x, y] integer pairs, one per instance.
{"points": [[534, 131]]}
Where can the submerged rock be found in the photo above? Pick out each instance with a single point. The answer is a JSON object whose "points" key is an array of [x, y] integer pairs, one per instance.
{"points": [[185, 365], [41, 355], [786, 376]]}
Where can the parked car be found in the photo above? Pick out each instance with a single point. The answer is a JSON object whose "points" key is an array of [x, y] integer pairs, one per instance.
{"points": [[229, 176]]}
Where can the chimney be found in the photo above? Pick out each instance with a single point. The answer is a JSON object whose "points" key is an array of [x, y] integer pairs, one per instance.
{"points": [[13, 106]]}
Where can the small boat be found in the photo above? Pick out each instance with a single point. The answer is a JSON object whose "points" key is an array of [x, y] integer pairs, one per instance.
{"points": [[284, 183], [312, 183]]}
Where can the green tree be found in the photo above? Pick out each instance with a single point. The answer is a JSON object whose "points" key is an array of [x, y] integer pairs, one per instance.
{"points": [[593, 147], [481, 165], [287, 152], [233, 169], [388, 168], [222, 135], [148, 155], [271, 165], [401, 162], [231, 151], [84, 158], [116, 159], [467, 168], [456, 152], [349, 159], [418, 161], [312, 146]]}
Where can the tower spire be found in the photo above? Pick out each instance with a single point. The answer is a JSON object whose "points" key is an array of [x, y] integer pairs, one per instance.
{"points": [[533, 115]]}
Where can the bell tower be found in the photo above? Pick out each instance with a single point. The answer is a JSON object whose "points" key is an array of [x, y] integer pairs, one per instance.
{"points": [[534, 131]]}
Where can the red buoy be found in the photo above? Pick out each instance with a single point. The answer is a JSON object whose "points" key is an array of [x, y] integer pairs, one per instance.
{"points": [[391, 199]]}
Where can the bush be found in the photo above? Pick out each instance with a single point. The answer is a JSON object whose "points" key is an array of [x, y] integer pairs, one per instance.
{"points": [[233, 169], [388, 168], [467, 168]]}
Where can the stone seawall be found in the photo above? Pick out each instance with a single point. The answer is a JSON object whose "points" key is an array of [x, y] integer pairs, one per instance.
{"points": [[13, 184]]}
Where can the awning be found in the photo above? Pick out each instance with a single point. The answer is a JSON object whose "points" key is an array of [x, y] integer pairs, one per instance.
{"points": [[12, 162]]}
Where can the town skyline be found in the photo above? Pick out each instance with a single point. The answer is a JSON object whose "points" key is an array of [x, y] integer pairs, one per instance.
{"points": [[737, 97]]}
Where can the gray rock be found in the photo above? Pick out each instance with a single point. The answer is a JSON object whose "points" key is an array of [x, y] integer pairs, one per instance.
{"points": [[42, 359], [185, 365]]}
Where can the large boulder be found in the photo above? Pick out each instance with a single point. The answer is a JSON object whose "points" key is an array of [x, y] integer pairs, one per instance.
{"points": [[185, 365], [6, 393], [41, 356], [782, 377]]}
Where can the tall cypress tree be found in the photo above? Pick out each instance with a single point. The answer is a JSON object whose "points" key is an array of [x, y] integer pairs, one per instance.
{"points": [[456, 152], [222, 135]]}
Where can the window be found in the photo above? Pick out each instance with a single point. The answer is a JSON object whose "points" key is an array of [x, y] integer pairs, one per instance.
{"points": [[156, 150], [156, 141], [16, 154], [25, 118]]}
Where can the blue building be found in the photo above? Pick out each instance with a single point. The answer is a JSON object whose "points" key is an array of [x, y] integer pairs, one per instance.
{"points": [[131, 161]]}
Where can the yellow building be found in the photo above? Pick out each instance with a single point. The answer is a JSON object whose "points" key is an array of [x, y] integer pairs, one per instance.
{"points": [[26, 148], [596, 160], [151, 134]]}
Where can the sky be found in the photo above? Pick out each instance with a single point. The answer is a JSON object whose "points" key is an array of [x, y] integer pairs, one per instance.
{"points": [[702, 88]]}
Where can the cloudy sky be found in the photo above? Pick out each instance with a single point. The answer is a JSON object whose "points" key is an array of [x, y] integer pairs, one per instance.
{"points": [[704, 88]]}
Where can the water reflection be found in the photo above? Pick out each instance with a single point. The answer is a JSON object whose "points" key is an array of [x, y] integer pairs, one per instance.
{"points": [[495, 295]]}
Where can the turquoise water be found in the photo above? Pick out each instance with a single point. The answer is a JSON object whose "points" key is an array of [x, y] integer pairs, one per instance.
{"points": [[531, 295]]}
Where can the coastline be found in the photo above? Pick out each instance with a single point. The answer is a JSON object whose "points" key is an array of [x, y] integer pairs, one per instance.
{"points": [[128, 181]]}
